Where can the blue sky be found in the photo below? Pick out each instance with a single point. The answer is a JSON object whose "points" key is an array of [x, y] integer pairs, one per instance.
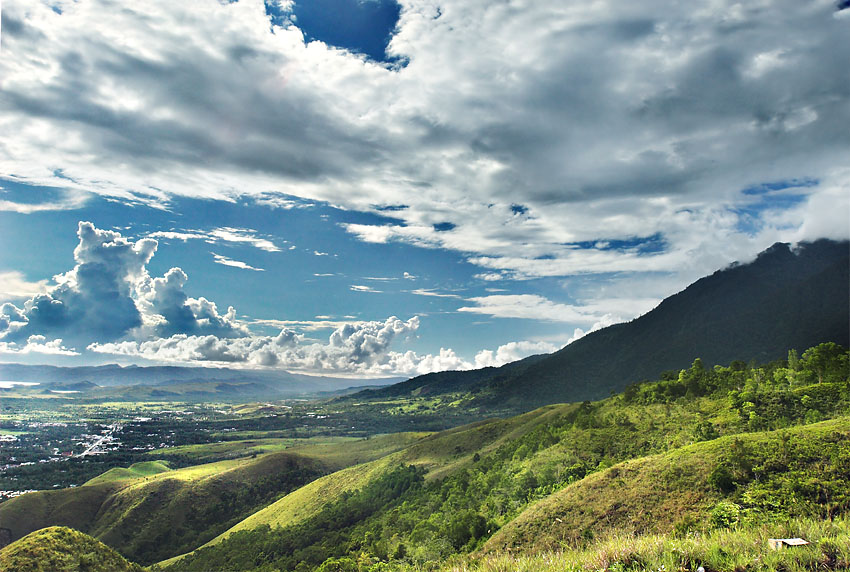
{"points": [[382, 189]]}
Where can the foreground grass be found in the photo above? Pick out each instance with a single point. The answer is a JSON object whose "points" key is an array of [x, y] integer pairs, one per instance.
{"points": [[743, 549]]}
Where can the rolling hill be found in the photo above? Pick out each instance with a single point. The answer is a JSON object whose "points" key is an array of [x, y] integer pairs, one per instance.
{"points": [[714, 447], [149, 512], [710, 449]]}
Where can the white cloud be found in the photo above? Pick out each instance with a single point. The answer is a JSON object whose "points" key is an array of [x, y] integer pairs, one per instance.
{"points": [[109, 295], [320, 323], [433, 293], [15, 286], [219, 235], [825, 214], [513, 134], [362, 288], [529, 306], [38, 345], [220, 259], [70, 200], [607, 320], [360, 348], [511, 352]]}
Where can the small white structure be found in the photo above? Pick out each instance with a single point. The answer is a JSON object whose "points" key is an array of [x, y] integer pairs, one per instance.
{"points": [[780, 543]]}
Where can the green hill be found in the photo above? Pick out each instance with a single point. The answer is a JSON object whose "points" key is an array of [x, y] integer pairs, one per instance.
{"points": [[61, 549], [796, 472], [134, 471], [149, 512], [709, 447]]}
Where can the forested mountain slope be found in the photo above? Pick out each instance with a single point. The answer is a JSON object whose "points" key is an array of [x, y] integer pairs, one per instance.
{"points": [[786, 298]]}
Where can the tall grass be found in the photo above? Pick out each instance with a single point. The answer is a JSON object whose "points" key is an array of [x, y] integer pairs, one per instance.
{"points": [[738, 550]]}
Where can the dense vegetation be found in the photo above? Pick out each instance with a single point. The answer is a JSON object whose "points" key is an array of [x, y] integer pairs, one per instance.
{"points": [[697, 439]]}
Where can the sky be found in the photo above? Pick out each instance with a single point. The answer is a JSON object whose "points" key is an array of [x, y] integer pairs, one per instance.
{"points": [[367, 188]]}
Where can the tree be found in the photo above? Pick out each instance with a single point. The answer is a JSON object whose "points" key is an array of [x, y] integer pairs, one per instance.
{"points": [[825, 360]]}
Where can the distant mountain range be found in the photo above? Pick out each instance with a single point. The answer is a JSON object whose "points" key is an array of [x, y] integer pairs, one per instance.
{"points": [[786, 298], [171, 381]]}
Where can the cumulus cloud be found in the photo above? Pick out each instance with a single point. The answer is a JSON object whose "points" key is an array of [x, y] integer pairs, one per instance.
{"points": [[38, 345], [109, 295], [362, 347], [110, 304], [511, 352], [607, 320], [511, 132], [95, 299]]}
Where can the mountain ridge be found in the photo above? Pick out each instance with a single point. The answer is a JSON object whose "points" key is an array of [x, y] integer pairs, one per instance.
{"points": [[787, 298]]}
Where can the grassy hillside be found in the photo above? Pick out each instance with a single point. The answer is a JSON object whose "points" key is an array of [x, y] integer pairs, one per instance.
{"points": [[701, 449], [134, 471], [663, 456], [61, 549], [336, 452], [148, 518], [717, 550], [798, 472], [149, 512], [437, 453]]}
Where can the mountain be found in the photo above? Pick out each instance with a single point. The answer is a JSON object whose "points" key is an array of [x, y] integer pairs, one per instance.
{"points": [[271, 383], [786, 298]]}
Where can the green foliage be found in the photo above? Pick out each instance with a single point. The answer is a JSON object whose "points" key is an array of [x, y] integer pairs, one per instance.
{"points": [[323, 540], [486, 477], [725, 514], [721, 479]]}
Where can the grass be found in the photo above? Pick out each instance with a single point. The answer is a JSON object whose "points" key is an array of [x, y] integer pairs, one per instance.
{"points": [[61, 549], [737, 550], [336, 452], [134, 471], [646, 495], [309, 499]]}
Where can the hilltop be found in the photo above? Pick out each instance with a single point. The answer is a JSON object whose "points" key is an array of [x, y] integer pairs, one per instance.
{"points": [[61, 549]]}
